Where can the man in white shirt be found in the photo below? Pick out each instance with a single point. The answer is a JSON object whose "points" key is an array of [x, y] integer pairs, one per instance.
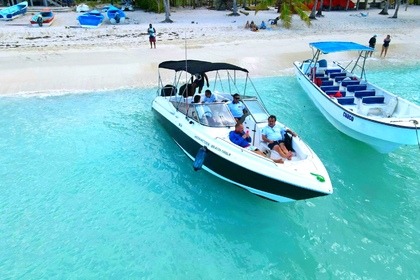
{"points": [[273, 135]]}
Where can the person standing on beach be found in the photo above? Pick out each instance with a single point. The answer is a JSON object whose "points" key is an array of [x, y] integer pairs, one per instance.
{"points": [[372, 43], [385, 46], [152, 35]]}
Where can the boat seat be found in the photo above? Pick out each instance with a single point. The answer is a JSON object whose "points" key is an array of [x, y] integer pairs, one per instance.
{"points": [[168, 90], [350, 82], [338, 74], [353, 88], [373, 100], [325, 88], [346, 100], [332, 92], [340, 78], [324, 78], [364, 93], [319, 75], [328, 71], [327, 83]]}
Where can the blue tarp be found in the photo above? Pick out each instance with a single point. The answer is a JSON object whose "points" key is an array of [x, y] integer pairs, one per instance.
{"points": [[330, 47]]}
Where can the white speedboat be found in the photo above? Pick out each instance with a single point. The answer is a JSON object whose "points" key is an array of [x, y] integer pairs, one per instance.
{"points": [[354, 106], [197, 125]]}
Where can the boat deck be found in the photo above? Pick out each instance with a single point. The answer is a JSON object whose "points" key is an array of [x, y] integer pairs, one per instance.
{"points": [[353, 93]]}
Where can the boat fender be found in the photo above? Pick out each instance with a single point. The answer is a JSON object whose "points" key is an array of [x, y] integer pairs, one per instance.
{"points": [[199, 158], [39, 20]]}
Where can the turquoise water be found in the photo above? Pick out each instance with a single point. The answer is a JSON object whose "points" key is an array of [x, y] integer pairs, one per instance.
{"points": [[92, 188]]}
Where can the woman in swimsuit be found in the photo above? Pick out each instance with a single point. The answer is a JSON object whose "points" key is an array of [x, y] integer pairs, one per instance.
{"points": [[385, 46]]}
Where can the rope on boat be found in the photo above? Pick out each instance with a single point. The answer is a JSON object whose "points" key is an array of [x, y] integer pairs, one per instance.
{"points": [[415, 122]]}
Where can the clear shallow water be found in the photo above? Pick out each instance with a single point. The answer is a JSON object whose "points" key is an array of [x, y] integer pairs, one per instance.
{"points": [[91, 187]]}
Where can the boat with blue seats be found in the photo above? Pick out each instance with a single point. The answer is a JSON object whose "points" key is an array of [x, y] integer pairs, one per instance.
{"points": [[201, 130], [92, 19], [14, 11], [352, 104]]}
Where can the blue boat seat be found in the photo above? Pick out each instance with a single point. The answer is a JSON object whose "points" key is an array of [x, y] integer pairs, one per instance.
{"points": [[327, 83], [338, 74], [350, 82], [346, 100], [364, 93], [325, 88], [332, 71], [353, 88], [332, 92], [324, 78], [339, 78], [319, 75], [373, 100]]}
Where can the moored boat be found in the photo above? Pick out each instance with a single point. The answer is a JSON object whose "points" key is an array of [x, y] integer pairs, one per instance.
{"points": [[92, 19], [14, 11], [115, 15], [355, 106], [44, 18], [202, 133]]}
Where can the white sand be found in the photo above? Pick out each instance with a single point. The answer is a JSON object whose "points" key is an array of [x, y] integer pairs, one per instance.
{"points": [[56, 58]]}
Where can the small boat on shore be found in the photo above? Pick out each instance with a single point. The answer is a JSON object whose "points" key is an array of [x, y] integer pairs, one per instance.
{"points": [[202, 130], [92, 19], [355, 106], [44, 18], [14, 11], [115, 15]]}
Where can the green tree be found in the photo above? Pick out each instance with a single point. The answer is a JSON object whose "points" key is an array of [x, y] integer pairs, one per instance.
{"points": [[287, 8]]}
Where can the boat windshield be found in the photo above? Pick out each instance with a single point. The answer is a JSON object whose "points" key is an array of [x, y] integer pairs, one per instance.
{"points": [[256, 110], [212, 114]]}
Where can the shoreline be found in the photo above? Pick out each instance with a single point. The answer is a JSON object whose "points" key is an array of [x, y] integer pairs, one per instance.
{"points": [[59, 59]]}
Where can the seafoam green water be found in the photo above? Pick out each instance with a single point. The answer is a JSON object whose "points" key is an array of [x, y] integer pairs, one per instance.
{"points": [[91, 187]]}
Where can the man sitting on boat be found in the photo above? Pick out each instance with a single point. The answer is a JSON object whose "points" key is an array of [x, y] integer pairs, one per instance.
{"points": [[240, 138], [237, 108], [273, 135], [209, 97]]}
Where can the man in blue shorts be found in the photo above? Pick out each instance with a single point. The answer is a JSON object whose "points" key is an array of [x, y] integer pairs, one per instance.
{"points": [[273, 135]]}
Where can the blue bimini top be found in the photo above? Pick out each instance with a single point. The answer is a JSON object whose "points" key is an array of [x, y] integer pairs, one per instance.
{"points": [[330, 47]]}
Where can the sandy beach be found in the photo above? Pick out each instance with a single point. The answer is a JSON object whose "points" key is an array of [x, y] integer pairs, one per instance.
{"points": [[65, 58]]}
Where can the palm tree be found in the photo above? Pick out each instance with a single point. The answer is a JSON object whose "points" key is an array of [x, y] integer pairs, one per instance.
{"points": [[396, 9], [312, 15], [385, 9], [167, 11], [347, 5], [234, 9], [321, 5]]}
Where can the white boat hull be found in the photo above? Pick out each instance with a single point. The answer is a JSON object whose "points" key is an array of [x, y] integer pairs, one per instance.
{"points": [[383, 133], [261, 176]]}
